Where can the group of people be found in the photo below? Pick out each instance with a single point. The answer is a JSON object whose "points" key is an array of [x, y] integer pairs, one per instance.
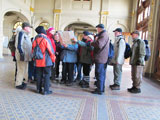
{"points": [[92, 49]]}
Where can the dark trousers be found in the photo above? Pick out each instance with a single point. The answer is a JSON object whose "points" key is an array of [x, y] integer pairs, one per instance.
{"points": [[15, 70], [68, 69], [43, 72], [86, 69], [31, 70], [100, 72], [57, 66]]}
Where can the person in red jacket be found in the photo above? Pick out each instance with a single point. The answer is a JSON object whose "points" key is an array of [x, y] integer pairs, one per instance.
{"points": [[43, 66], [50, 35]]}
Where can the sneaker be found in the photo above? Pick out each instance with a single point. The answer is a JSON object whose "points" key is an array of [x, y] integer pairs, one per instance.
{"points": [[114, 87], [134, 90], [47, 93]]}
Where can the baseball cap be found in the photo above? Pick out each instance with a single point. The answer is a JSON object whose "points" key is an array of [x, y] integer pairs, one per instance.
{"points": [[86, 33], [100, 26], [118, 30], [26, 24], [135, 32]]}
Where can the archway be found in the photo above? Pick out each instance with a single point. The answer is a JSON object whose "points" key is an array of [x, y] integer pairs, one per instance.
{"points": [[11, 20], [78, 28]]}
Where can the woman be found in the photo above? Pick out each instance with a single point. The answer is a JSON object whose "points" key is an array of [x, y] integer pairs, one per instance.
{"points": [[69, 59], [86, 59], [43, 66]]}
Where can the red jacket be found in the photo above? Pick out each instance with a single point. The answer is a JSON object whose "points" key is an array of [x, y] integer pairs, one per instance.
{"points": [[49, 35], [48, 57]]}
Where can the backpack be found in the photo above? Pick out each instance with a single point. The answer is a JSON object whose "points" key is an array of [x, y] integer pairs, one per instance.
{"points": [[128, 51], [37, 53], [148, 51], [11, 44], [110, 52]]}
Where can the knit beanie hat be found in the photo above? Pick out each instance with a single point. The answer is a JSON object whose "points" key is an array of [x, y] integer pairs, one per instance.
{"points": [[40, 29]]}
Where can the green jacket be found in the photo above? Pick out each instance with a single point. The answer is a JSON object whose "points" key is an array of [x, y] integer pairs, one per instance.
{"points": [[86, 53], [138, 52]]}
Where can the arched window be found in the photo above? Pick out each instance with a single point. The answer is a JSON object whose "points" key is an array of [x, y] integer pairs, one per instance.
{"points": [[143, 13], [17, 24], [45, 25]]}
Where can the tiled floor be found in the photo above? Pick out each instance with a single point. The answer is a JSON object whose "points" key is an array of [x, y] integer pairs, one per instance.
{"points": [[74, 103]]}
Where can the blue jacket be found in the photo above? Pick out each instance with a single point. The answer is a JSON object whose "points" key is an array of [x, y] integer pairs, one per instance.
{"points": [[69, 54]]}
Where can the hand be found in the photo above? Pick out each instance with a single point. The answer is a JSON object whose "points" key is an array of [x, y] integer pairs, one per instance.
{"points": [[138, 62], [53, 66], [74, 40], [21, 57], [96, 38], [65, 45]]}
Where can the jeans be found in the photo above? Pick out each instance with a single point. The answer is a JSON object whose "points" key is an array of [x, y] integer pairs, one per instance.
{"points": [[79, 67], [43, 72], [31, 70], [100, 72]]}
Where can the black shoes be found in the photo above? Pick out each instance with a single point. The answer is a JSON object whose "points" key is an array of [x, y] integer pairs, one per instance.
{"points": [[69, 84], [47, 93], [84, 84], [134, 90], [97, 92], [114, 87], [22, 87], [62, 82]]}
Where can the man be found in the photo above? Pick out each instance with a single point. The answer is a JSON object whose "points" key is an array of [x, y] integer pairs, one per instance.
{"points": [[137, 62], [118, 59], [23, 55], [101, 47]]}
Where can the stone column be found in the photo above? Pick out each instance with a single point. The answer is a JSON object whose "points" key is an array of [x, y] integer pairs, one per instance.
{"points": [[1, 31], [57, 13], [104, 12], [152, 36]]}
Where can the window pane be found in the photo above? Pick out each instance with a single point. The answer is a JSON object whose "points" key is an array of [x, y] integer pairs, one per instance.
{"points": [[146, 34], [140, 34], [17, 24], [45, 25], [149, 10], [140, 2]]}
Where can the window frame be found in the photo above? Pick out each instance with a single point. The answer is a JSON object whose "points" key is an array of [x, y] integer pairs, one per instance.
{"points": [[143, 13]]}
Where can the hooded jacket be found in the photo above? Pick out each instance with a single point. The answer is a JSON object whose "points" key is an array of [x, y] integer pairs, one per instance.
{"points": [[48, 55], [50, 36]]}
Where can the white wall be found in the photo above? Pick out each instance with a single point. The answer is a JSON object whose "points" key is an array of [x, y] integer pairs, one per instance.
{"points": [[20, 6], [119, 16]]}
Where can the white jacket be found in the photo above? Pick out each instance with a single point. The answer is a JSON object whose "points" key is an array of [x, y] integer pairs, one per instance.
{"points": [[119, 49], [26, 46]]}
